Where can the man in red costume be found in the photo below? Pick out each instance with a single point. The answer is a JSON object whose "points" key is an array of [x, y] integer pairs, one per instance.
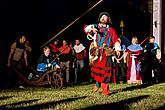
{"points": [[104, 39], [65, 52]]}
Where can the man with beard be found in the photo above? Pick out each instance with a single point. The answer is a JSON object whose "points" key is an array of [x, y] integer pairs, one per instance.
{"points": [[104, 39]]}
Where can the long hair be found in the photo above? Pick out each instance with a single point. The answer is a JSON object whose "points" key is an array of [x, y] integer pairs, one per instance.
{"points": [[18, 43], [134, 37], [107, 14]]}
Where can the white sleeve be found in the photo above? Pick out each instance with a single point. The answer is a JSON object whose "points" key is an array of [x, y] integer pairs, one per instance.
{"points": [[117, 46], [89, 28], [158, 54]]}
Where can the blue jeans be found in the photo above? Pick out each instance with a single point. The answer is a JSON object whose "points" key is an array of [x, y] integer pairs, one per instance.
{"points": [[78, 66]]}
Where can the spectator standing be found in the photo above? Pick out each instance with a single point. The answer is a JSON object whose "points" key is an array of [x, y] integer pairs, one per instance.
{"points": [[152, 56], [17, 59], [65, 54], [134, 65], [81, 54]]}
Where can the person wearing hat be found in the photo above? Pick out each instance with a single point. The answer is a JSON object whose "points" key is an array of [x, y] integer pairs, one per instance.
{"points": [[104, 39]]}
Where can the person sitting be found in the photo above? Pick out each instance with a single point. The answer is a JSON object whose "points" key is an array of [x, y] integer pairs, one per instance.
{"points": [[44, 63]]}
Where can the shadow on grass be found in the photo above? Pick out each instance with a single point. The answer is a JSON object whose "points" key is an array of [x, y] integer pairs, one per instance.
{"points": [[121, 105], [5, 97], [131, 88], [46, 105], [6, 107], [128, 88]]}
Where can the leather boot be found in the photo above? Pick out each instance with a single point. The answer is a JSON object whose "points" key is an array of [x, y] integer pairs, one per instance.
{"points": [[105, 88]]}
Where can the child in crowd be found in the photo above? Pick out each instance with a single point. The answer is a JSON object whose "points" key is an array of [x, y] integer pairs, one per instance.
{"points": [[44, 62], [120, 64]]}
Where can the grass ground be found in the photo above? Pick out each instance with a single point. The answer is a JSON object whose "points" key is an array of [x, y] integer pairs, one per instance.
{"points": [[122, 97]]}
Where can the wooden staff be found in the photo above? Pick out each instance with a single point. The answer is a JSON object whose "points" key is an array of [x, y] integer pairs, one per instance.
{"points": [[71, 23], [144, 40], [59, 54]]}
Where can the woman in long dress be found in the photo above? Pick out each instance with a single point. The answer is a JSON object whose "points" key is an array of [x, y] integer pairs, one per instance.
{"points": [[133, 69]]}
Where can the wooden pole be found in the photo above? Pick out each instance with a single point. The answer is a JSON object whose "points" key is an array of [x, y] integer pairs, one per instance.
{"points": [[71, 23]]}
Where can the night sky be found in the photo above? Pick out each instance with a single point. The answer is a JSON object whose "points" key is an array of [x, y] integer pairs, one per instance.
{"points": [[40, 20]]}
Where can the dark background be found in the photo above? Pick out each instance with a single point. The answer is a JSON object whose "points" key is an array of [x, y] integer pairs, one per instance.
{"points": [[40, 20]]}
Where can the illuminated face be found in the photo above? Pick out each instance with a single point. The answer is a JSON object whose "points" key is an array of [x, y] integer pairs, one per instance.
{"points": [[77, 42], [22, 39], [64, 42], [55, 42], [134, 40], [47, 52], [104, 19], [151, 40]]}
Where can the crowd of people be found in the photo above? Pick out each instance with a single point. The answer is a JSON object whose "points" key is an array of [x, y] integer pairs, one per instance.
{"points": [[112, 61], [70, 59], [109, 59]]}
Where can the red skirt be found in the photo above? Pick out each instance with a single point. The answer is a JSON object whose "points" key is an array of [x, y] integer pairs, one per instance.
{"points": [[102, 69]]}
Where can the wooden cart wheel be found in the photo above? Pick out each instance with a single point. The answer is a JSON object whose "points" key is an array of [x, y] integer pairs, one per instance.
{"points": [[56, 80]]}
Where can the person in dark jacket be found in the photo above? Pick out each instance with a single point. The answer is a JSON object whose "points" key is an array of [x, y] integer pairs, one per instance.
{"points": [[152, 56], [44, 62]]}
